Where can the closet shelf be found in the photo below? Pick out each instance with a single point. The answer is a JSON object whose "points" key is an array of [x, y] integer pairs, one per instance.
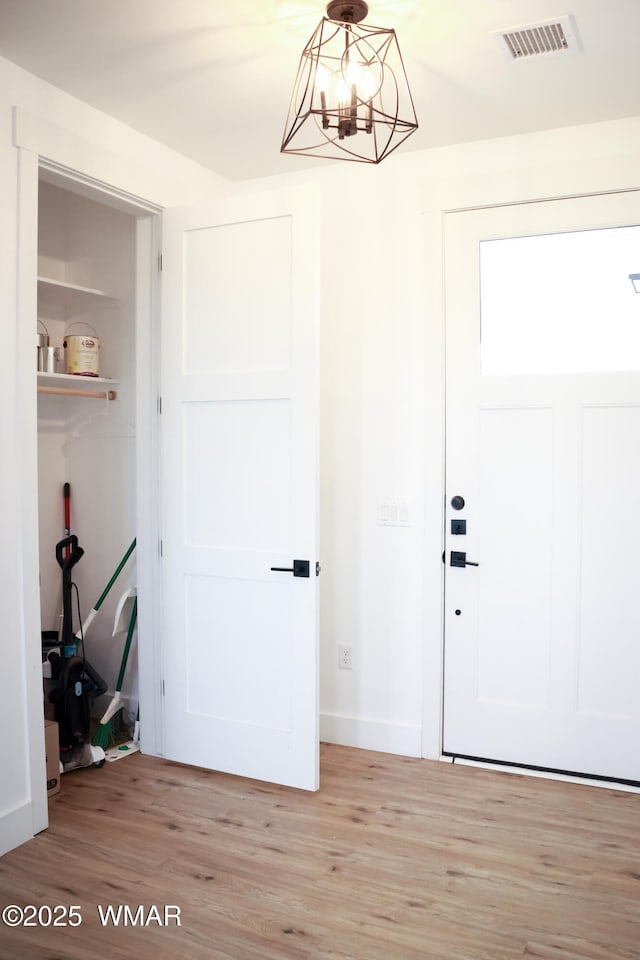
{"points": [[59, 293], [68, 385]]}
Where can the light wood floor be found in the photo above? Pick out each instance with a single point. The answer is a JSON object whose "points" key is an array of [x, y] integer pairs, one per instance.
{"points": [[393, 859]]}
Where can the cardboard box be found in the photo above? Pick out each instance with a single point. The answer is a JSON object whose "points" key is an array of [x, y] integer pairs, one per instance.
{"points": [[52, 751]]}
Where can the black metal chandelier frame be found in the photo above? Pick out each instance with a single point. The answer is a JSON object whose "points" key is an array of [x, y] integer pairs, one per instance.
{"points": [[338, 49]]}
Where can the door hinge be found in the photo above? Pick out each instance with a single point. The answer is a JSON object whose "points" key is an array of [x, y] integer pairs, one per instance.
{"points": [[160, 549], [160, 263], [163, 687], [159, 406]]}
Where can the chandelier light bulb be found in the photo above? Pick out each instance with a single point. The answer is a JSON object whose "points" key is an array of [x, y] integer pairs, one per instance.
{"points": [[342, 92], [353, 72], [367, 84]]}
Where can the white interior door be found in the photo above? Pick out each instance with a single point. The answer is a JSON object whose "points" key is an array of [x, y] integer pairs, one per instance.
{"points": [[542, 649], [240, 438]]}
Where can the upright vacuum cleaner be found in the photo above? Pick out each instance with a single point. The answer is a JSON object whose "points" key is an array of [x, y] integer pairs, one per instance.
{"points": [[76, 683]]}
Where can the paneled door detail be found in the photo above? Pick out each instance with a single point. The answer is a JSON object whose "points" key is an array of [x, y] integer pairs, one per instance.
{"points": [[239, 468]]}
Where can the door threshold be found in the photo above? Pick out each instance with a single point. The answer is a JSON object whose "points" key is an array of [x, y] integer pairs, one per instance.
{"points": [[545, 773]]}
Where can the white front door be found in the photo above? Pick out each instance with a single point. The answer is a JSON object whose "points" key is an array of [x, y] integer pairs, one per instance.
{"points": [[239, 486], [542, 637]]}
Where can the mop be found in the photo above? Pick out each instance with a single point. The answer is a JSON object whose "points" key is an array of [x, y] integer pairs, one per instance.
{"points": [[104, 734]]}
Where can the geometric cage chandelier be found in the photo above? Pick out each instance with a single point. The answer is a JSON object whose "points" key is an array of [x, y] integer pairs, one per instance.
{"points": [[351, 99]]}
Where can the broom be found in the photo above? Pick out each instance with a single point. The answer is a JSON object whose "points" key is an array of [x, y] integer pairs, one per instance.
{"points": [[94, 610], [104, 734]]}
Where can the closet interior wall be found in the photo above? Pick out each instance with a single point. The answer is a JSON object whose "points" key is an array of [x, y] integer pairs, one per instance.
{"points": [[88, 442]]}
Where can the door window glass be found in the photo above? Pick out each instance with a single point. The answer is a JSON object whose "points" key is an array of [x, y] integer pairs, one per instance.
{"points": [[560, 303]]}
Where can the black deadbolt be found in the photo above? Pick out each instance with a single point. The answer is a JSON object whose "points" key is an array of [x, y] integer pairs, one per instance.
{"points": [[457, 503]]}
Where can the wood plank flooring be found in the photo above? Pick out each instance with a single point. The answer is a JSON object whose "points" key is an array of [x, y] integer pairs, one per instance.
{"points": [[393, 859]]}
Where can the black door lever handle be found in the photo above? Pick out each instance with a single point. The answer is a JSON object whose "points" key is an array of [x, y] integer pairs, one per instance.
{"points": [[300, 568], [459, 559]]}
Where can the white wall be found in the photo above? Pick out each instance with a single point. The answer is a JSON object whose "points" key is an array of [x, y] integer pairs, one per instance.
{"points": [[372, 417], [382, 411], [84, 139]]}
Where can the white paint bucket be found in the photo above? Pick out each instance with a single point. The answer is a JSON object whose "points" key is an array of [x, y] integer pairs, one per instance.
{"points": [[82, 354]]}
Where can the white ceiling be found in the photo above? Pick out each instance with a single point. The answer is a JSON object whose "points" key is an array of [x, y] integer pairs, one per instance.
{"points": [[213, 79]]}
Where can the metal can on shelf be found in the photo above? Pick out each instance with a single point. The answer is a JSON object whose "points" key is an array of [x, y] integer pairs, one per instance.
{"points": [[42, 344], [47, 359]]}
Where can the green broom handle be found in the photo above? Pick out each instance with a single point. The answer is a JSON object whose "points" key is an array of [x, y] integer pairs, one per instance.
{"points": [[116, 575], [125, 654], [94, 610]]}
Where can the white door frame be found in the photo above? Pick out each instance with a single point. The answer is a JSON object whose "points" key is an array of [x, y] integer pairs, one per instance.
{"points": [[33, 155], [517, 185]]}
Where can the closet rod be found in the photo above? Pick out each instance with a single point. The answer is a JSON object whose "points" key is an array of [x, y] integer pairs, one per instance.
{"points": [[89, 394]]}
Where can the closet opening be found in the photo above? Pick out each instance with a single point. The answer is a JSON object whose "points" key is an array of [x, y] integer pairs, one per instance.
{"points": [[96, 411]]}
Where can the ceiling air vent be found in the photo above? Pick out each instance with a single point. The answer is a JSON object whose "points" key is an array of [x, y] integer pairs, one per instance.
{"points": [[551, 38]]}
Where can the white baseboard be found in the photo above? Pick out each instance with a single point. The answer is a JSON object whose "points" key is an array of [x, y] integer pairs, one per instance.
{"points": [[367, 734], [16, 827]]}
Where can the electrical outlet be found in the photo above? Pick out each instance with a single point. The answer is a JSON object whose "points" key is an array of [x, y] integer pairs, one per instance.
{"points": [[345, 656]]}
